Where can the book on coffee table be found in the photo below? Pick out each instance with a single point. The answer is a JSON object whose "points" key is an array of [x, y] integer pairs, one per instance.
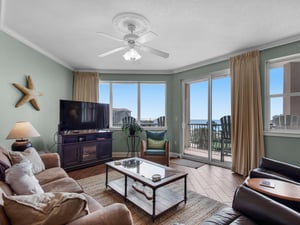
{"points": [[267, 183]]}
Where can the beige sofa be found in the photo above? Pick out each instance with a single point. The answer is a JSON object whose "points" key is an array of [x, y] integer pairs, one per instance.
{"points": [[55, 179]]}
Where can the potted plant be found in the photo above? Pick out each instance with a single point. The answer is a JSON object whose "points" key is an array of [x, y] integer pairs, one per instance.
{"points": [[132, 128]]}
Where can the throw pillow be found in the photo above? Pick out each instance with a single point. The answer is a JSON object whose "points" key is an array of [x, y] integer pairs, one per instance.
{"points": [[156, 135], [32, 155], [47, 208], [22, 180], [5, 155], [154, 144], [3, 168]]}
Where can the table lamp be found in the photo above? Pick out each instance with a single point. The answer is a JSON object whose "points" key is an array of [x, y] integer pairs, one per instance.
{"points": [[21, 131]]}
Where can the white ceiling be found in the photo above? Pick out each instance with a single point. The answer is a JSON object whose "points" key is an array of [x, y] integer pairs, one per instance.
{"points": [[194, 32]]}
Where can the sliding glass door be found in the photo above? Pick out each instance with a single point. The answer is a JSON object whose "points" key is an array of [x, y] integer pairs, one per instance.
{"points": [[206, 102], [221, 128]]}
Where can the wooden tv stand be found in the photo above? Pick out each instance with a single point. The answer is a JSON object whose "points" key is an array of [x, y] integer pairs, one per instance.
{"points": [[79, 149]]}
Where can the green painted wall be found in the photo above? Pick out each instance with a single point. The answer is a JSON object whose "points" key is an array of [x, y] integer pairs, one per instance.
{"points": [[52, 79]]}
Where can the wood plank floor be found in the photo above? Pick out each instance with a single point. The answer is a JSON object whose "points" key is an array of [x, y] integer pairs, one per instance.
{"points": [[212, 181]]}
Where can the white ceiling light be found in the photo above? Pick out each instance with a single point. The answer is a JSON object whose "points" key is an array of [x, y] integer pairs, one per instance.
{"points": [[132, 55], [139, 33]]}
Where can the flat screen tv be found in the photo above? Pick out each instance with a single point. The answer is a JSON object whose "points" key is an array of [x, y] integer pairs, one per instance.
{"points": [[78, 115]]}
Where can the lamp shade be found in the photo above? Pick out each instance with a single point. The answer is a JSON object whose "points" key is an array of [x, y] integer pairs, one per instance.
{"points": [[22, 130]]}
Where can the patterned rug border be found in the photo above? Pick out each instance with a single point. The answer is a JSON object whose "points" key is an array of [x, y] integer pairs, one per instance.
{"points": [[196, 210]]}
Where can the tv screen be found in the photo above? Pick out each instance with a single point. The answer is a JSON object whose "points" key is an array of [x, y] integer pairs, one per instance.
{"points": [[77, 115]]}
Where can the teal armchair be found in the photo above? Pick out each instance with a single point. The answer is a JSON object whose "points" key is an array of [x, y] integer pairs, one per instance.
{"points": [[156, 147]]}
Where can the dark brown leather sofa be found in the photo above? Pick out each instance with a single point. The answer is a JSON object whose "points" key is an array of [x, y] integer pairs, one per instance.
{"points": [[252, 208]]}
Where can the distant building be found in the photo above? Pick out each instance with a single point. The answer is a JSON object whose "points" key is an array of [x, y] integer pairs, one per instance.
{"points": [[119, 114]]}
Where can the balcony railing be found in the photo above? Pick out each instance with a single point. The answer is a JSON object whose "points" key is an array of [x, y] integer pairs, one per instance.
{"points": [[197, 137]]}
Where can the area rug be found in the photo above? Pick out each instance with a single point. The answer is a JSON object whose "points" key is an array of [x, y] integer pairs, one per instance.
{"points": [[196, 210], [187, 163]]}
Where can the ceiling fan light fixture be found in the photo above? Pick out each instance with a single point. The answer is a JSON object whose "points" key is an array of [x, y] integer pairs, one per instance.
{"points": [[132, 55]]}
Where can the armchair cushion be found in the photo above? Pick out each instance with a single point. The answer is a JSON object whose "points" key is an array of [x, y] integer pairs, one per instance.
{"points": [[155, 144], [156, 135], [154, 152]]}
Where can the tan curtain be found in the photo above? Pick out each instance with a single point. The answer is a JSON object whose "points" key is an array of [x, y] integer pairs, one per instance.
{"points": [[86, 86], [246, 110]]}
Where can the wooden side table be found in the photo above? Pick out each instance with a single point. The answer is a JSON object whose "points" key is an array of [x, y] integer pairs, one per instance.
{"points": [[281, 189]]}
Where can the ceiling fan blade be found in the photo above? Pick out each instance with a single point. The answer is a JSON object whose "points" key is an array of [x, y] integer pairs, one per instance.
{"points": [[109, 36], [154, 51], [112, 51], [146, 37]]}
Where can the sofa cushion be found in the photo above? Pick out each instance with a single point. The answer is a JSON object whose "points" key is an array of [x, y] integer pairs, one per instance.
{"points": [[4, 189], [3, 218], [3, 168], [50, 160], [4, 156], [22, 180], [32, 155], [66, 184], [51, 174], [46, 208], [262, 209], [93, 205], [227, 216]]}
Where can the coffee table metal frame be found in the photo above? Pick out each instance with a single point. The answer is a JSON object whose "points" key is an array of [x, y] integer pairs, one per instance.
{"points": [[120, 185]]}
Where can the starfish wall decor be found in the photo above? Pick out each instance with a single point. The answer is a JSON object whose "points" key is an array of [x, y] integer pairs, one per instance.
{"points": [[30, 94]]}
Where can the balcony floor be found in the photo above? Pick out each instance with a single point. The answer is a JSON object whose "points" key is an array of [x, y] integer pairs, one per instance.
{"points": [[203, 153]]}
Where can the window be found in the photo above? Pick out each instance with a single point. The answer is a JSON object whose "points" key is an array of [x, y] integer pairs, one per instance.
{"points": [[146, 102], [283, 95]]}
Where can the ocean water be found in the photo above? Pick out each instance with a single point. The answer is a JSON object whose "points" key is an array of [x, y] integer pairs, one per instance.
{"points": [[203, 121]]}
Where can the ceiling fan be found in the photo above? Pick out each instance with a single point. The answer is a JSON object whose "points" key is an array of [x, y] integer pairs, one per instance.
{"points": [[132, 42]]}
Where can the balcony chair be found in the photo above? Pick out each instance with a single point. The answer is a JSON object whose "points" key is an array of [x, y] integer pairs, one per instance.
{"points": [[225, 136], [161, 121], [128, 120], [156, 147]]}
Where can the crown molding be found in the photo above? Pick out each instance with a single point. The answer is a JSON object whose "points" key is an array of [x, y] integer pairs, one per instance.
{"points": [[34, 46], [167, 72]]}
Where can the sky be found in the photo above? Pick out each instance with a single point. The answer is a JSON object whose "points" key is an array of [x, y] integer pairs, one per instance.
{"points": [[220, 99], [125, 96], [276, 87]]}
